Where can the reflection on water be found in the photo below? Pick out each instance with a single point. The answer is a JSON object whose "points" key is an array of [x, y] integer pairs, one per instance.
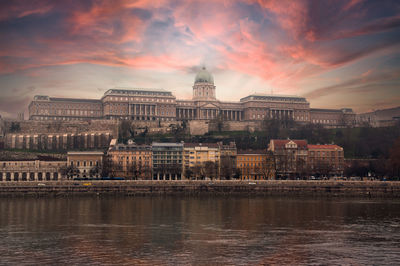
{"points": [[199, 230]]}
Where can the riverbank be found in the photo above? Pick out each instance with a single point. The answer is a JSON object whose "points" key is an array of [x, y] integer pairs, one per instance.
{"points": [[373, 189]]}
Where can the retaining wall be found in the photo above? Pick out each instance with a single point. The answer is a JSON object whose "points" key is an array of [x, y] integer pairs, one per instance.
{"points": [[131, 188]]}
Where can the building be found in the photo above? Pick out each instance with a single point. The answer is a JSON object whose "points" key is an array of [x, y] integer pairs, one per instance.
{"points": [[201, 159], [161, 105], [325, 160], [255, 165], [85, 164], [130, 161], [64, 109], [290, 157], [32, 170], [167, 161]]}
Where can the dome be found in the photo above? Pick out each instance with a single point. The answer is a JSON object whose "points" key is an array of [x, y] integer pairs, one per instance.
{"points": [[204, 76]]}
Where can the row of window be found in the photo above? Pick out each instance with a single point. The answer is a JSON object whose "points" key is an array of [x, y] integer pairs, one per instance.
{"points": [[84, 163], [140, 99]]}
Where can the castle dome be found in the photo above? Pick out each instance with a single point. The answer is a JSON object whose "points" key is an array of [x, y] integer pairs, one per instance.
{"points": [[204, 77]]}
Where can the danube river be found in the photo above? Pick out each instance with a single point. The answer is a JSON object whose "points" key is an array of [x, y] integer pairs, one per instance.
{"points": [[203, 230]]}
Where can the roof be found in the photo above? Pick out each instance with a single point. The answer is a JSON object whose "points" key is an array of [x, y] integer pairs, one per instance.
{"points": [[252, 152], [85, 153], [324, 147], [135, 91], [280, 143], [204, 76], [166, 144], [325, 110], [74, 100], [261, 96], [130, 147], [209, 145]]}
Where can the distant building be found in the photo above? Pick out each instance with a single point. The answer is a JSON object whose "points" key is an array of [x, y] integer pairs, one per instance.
{"points": [[130, 161], [85, 164], [200, 155], [167, 161], [161, 105], [290, 157], [32, 170], [326, 159], [255, 164]]}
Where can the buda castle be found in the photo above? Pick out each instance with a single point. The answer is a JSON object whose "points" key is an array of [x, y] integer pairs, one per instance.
{"points": [[161, 105]]}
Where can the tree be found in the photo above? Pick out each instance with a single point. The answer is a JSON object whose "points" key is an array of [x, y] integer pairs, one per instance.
{"points": [[210, 169], [95, 170], [394, 159], [125, 130], [266, 169], [15, 127], [188, 173], [227, 167], [69, 171], [107, 169]]}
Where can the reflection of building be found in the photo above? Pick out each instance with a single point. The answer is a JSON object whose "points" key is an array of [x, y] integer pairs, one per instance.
{"points": [[130, 161], [326, 159], [167, 161], [31, 170], [290, 157], [162, 105], [255, 164], [85, 163]]}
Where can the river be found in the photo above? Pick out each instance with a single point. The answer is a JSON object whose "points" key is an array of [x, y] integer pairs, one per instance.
{"points": [[203, 230]]}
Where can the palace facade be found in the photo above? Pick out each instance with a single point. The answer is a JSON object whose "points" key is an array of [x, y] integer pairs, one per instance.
{"points": [[162, 105]]}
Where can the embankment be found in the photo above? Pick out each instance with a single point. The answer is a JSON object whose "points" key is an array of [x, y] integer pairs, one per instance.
{"points": [[373, 189]]}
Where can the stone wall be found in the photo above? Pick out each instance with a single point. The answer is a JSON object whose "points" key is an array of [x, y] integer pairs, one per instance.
{"points": [[58, 141], [369, 189], [198, 127], [53, 127]]}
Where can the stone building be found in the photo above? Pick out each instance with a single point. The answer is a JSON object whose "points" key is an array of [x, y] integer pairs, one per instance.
{"points": [[200, 155], [85, 164], [130, 161], [325, 160], [255, 164], [32, 170], [167, 161], [64, 109], [161, 105], [290, 157]]}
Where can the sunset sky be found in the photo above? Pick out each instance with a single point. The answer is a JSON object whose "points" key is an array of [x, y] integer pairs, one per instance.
{"points": [[339, 53]]}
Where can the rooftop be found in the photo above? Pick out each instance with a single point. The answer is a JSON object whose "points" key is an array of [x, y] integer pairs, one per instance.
{"points": [[261, 96], [324, 147], [252, 152], [279, 143], [192, 145], [85, 153]]}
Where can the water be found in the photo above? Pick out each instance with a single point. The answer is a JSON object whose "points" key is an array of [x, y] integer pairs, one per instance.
{"points": [[199, 230]]}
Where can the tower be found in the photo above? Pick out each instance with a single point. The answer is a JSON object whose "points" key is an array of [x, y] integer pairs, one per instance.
{"points": [[203, 88]]}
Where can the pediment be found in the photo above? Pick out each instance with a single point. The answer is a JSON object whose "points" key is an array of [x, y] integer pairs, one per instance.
{"points": [[209, 105]]}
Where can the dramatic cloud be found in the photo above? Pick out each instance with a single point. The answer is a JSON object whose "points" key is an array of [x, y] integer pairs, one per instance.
{"points": [[311, 48]]}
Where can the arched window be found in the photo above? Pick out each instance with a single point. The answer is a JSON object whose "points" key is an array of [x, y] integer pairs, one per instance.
{"points": [[16, 176], [55, 176], [40, 176], [31, 176]]}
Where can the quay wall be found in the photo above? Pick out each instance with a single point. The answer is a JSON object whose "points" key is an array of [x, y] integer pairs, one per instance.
{"points": [[370, 189]]}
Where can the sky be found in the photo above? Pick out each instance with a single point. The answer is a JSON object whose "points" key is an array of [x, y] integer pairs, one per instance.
{"points": [[339, 53]]}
